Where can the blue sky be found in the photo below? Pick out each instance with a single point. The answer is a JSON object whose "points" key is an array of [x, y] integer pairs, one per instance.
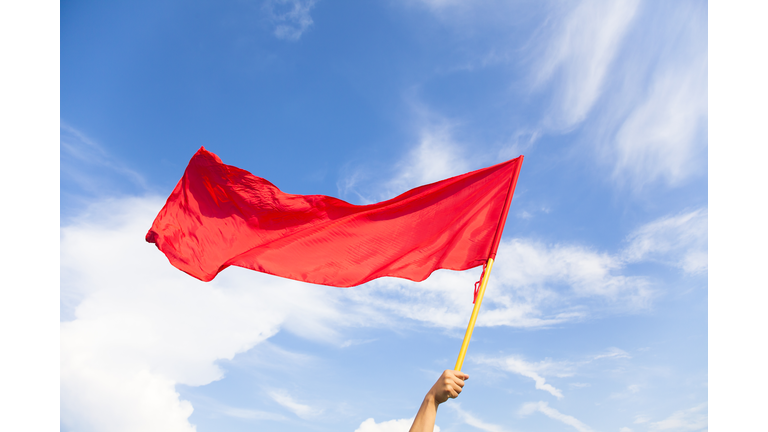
{"points": [[595, 318]]}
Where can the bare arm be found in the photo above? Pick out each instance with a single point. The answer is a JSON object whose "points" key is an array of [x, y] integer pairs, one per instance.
{"points": [[449, 385]]}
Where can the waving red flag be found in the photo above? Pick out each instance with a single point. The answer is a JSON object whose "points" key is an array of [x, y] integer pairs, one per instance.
{"points": [[219, 215]]}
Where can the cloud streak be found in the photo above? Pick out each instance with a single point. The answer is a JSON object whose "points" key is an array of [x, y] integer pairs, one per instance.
{"points": [[538, 370], [302, 410], [544, 408], [578, 56], [89, 166], [660, 140], [517, 365], [473, 420]]}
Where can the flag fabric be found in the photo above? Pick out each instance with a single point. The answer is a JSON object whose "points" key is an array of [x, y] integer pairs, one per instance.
{"points": [[219, 216]]}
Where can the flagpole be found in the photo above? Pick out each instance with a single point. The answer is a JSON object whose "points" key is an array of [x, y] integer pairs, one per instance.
{"points": [[473, 317], [488, 267]]}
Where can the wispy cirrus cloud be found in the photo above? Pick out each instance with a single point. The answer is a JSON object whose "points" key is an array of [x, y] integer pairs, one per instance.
{"points": [[663, 138], [580, 48], [286, 400], [544, 408], [517, 365], [679, 240], [650, 127], [537, 371], [92, 168], [472, 420]]}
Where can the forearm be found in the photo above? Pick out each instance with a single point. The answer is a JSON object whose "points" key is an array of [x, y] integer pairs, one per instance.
{"points": [[425, 418]]}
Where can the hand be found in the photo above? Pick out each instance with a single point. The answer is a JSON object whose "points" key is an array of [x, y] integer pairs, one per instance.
{"points": [[449, 385]]}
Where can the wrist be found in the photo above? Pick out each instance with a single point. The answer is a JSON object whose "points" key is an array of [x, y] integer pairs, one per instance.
{"points": [[430, 399]]}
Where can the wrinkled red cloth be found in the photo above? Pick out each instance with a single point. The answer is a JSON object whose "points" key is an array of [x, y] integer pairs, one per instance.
{"points": [[219, 215]]}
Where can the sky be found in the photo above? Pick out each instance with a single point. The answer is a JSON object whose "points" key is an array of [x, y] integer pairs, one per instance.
{"points": [[596, 314]]}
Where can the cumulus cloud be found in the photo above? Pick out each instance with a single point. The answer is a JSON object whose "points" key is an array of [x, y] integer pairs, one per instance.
{"points": [[290, 17], [402, 425], [691, 419], [680, 240], [140, 327], [544, 408], [578, 55]]}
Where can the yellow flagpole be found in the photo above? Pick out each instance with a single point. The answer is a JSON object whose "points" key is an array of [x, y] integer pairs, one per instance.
{"points": [[473, 317]]}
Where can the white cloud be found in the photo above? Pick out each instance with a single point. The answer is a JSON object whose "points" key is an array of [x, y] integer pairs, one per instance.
{"points": [[517, 365], [625, 429], [290, 17], [473, 421], [436, 157], [532, 285], [544, 408], [302, 410], [680, 240], [141, 326], [582, 50], [402, 425], [528, 263], [663, 138], [547, 367], [135, 325], [692, 419], [81, 155]]}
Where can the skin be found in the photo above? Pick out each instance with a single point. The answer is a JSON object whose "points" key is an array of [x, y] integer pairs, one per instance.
{"points": [[449, 385]]}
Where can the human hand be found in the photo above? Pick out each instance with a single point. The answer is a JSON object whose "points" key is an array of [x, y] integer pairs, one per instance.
{"points": [[449, 385]]}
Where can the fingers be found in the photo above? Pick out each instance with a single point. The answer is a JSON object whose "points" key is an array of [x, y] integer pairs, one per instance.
{"points": [[458, 374], [453, 382], [449, 385]]}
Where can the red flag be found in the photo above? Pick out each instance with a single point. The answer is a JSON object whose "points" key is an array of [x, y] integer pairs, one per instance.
{"points": [[219, 215]]}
